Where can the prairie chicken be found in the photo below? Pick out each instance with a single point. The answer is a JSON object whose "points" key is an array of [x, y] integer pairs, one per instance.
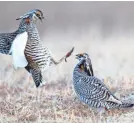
{"points": [[31, 53], [92, 90], [6, 39]]}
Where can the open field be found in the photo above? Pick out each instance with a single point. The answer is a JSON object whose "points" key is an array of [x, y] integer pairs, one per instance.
{"points": [[57, 102], [104, 30]]}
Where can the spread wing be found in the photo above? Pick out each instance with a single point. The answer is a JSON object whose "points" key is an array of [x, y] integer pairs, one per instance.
{"points": [[17, 50], [6, 40]]}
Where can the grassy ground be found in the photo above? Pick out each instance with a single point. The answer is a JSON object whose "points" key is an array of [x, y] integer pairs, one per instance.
{"points": [[57, 102], [21, 102]]}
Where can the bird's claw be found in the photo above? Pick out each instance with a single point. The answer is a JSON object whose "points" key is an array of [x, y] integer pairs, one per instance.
{"points": [[43, 83], [66, 59], [69, 54]]}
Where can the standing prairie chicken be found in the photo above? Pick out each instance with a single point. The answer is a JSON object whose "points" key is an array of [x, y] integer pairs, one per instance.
{"points": [[31, 53], [92, 90]]}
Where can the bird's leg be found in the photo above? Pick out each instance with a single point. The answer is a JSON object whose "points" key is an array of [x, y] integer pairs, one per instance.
{"points": [[38, 95], [63, 58], [59, 61], [43, 83]]}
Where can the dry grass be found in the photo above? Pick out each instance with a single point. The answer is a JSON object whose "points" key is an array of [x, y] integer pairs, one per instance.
{"points": [[57, 102], [20, 102]]}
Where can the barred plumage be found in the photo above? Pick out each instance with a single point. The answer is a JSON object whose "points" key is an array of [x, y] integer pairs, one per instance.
{"points": [[39, 58], [92, 90], [6, 39], [34, 48], [39, 54]]}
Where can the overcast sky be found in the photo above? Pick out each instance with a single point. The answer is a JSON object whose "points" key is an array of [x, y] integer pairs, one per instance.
{"points": [[77, 15]]}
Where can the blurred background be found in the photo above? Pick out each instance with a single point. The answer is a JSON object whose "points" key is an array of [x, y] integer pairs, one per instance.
{"points": [[105, 30]]}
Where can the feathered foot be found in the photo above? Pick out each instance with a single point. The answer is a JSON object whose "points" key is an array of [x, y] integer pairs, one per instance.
{"points": [[43, 83]]}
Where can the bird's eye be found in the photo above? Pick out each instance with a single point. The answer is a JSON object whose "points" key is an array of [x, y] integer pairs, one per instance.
{"points": [[37, 14]]}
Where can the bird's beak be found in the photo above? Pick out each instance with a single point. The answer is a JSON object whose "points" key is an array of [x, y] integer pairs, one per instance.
{"points": [[77, 56], [19, 18], [41, 18], [91, 69]]}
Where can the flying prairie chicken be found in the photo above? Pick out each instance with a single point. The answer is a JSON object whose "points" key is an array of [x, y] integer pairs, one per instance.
{"points": [[27, 49], [92, 90]]}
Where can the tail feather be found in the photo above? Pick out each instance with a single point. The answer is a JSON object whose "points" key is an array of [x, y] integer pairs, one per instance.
{"points": [[111, 105], [126, 105]]}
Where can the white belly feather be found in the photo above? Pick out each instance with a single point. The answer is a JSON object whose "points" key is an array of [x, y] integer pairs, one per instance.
{"points": [[17, 50]]}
